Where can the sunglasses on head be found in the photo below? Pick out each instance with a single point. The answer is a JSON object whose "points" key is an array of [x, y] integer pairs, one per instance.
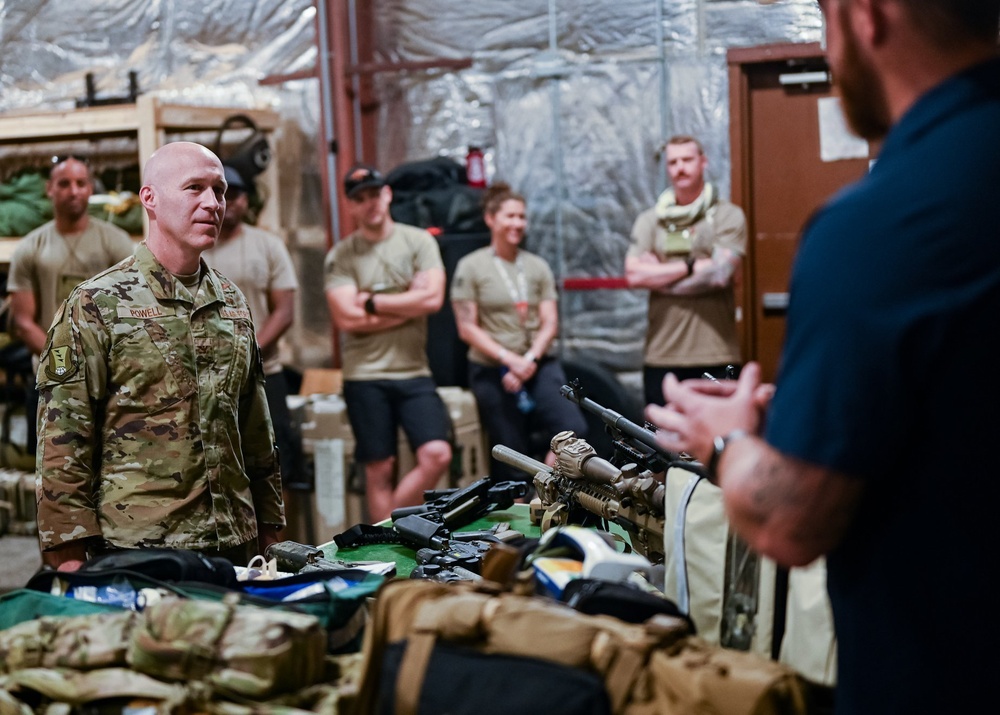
{"points": [[60, 158]]}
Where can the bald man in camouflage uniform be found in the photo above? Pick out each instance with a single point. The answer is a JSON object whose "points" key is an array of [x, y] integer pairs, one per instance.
{"points": [[153, 422]]}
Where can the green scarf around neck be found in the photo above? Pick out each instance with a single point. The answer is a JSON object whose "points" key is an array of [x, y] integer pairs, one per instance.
{"points": [[676, 220]]}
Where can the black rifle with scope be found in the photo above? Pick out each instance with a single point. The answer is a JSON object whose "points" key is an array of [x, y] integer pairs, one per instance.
{"points": [[632, 442], [429, 528]]}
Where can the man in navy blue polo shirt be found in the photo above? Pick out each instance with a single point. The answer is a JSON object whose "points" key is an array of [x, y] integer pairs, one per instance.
{"points": [[879, 446]]}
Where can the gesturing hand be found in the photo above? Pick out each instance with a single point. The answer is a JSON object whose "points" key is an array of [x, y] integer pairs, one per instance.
{"points": [[699, 410]]}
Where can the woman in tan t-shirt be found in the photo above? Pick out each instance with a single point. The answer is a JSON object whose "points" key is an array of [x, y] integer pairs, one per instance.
{"points": [[504, 299]]}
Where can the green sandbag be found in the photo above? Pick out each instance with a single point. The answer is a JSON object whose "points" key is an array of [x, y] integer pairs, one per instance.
{"points": [[23, 205]]}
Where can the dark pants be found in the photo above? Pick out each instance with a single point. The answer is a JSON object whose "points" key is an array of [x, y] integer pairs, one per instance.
{"points": [[286, 434], [652, 378], [527, 433]]}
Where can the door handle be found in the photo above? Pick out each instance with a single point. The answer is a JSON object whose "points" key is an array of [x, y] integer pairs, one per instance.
{"points": [[774, 302], [804, 79]]}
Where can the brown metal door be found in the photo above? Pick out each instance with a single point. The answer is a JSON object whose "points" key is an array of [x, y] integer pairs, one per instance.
{"points": [[778, 176]]}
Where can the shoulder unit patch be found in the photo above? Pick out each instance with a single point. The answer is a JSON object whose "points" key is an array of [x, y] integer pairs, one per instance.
{"points": [[61, 363]]}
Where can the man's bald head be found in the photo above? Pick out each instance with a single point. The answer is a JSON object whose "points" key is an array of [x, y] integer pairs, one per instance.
{"points": [[183, 192], [169, 158]]}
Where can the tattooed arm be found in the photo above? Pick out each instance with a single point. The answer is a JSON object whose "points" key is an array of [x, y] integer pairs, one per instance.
{"points": [[790, 510]]}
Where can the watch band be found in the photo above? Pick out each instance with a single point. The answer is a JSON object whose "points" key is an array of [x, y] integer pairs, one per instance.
{"points": [[719, 445]]}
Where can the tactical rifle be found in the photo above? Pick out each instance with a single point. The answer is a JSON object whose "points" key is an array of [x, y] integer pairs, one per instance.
{"points": [[429, 525], [445, 510], [582, 486], [633, 443], [428, 528], [293, 557]]}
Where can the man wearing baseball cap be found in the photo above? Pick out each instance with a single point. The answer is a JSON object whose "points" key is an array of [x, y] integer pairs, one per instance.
{"points": [[382, 281], [259, 263]]}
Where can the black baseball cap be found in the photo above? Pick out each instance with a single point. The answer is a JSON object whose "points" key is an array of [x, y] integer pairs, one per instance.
{"points": [[362, 176], [234, 179]]}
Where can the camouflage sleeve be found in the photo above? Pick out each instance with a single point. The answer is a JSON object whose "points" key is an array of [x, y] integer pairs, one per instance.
{"points": [[260, 454], [72, 373]]}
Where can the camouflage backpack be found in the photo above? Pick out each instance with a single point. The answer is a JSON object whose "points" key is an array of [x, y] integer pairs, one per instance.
{"points": [[237, 650]]}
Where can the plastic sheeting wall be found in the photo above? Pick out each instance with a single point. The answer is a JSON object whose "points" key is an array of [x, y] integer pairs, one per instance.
{"points": [[571, 99]]}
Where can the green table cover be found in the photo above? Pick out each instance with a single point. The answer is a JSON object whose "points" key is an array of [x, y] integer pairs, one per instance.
{"points": [[405, 557]]}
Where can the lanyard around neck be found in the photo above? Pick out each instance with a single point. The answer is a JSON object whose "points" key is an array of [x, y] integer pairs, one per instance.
{"points": [[519, 291]]}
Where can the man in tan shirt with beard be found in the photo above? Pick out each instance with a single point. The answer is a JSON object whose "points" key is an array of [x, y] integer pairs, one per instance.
{"points": [[54, 258], [686, 250]]}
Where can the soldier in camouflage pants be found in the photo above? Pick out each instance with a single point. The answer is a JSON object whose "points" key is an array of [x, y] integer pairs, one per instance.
{"points": [[153, 421]]}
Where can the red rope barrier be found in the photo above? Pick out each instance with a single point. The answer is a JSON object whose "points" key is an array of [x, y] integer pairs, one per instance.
{"points": [[597, 283]]}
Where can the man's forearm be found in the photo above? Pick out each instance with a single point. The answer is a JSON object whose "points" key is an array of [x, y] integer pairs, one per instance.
{"points": [[352, 318], [373, 324], [708, 275], [654, 275], [279, 321], [414, 303], [31, 335]]}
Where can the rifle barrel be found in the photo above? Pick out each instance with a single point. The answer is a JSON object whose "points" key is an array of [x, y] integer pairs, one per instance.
{"points": [[626, 427], [616, 421], [520, 461]]}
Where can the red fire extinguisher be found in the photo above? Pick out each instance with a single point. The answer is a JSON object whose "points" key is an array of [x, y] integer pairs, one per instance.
{"points": [[475, 168]]}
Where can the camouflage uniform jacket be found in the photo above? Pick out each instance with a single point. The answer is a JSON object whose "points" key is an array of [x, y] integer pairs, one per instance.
{"points": [[153, 422]]}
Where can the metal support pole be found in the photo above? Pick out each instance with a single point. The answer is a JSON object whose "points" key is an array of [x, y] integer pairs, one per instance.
{"points": [[326, 113], [557, 157], [661, 174], [355, 79]]}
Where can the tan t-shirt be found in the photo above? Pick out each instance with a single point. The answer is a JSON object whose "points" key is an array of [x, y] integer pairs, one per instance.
{"points": [[258, 263], [478, 279], [384, 267], [700, 329], [51, 265]]}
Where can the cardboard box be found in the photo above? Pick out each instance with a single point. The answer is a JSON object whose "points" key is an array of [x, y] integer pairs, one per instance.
{"points": [[321, 381], [325, 417]]}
